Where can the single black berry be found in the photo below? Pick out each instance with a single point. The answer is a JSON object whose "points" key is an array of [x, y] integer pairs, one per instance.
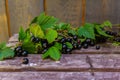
{"points": [[17, 49], [85, 45], [88, 41], [109, 32], [37, 40], [64, 46], [63, 40], [24, 53], [45, 45], [68, 50], [75, 45], [75, 37], [33, 39], [97, 47], [92, 43], [79, 46], [69, 39], [25, 61]]}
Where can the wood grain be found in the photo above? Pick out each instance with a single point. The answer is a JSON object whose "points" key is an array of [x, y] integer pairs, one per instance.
{"points": [[3, 22], [69, 11], [101, 10], [22, 12]]}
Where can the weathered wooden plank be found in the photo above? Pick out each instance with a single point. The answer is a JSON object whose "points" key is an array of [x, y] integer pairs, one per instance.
{"points": [[22, 12], [105, 61], [45, 76], [68, 62], [107, 76], [101, 10], [66, 10], [3, 22]]}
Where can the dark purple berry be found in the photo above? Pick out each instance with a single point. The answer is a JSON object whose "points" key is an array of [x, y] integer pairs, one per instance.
{"points": [[85, 45], [75, 37], [24, 53], [25, 61], [97, 47], [64, 46], [79, 46], [69, 40]]}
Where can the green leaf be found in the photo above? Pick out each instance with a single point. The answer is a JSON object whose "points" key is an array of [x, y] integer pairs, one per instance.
{"points": [[6, 53], [29, 46], [101, 32], [53, 53], [64, 26], [58, 45], [46, 21], [69, 45], [107, 24], [34, 20], [51, 35], [73, 32], [22, 34], [87, 31], [36, 31], [2, 45]]}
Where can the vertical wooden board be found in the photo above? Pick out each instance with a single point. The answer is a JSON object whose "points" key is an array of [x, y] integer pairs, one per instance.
{"points": [[22, 12], [101, 10], [66, 10], [3, 22]]}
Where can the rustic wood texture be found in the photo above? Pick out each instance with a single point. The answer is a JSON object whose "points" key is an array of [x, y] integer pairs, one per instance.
{"points": [[45, 76], [101, 10], [59, 76], [22, 12], [3, 22], [66, 10]]}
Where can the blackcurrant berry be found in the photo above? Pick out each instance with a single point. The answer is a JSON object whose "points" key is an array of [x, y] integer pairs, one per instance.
{"points": [[108, 32], [64, 46], [17, 49], [37, 40], [85, 45], [33, 39], [97, 47], [75, 37], [79, 46], [92, 43], [88, 41], [45, 45], [24, 53], [68, 50], [63, 40], [75, 45], [69, 40], [25, 61]]}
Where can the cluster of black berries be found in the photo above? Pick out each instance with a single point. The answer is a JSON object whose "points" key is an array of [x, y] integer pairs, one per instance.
{"points": [[111, 33], [35, 39], [20, 52]]}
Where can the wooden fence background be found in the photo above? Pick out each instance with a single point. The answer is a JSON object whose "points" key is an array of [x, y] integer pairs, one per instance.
{"points": [[16, 13]]}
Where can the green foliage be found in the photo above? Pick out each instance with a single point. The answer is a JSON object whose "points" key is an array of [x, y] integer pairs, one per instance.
{"points": [[106, 24], [58, 45], [101, 32], [36, 30], [22, 34], [51, 35], [5, 52], [53, 53], [86, 31], [45, 21], [62, 26], [73, 32], [69, 45]]}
